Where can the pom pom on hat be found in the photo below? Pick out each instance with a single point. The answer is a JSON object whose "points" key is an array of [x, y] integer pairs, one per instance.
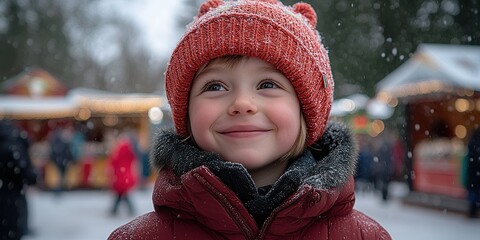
{"points": [[283, 36], [307, 11], [206, 6]]}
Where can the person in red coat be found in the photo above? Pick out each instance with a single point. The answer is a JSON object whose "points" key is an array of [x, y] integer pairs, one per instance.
{"points": [[253, 155], [121, 167]]}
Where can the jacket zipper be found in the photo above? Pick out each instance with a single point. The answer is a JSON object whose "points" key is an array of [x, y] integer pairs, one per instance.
{"points": [[269, 220], [235, 215]]}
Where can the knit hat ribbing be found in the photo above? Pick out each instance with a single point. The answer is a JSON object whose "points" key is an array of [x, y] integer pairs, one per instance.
{"points": [[283, 36]]}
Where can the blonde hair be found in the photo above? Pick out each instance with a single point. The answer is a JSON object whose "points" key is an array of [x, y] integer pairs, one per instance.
{"points": [[299, 144]]}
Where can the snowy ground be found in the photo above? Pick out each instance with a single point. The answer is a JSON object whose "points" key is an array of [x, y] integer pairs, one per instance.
{"points": [[414, 222], [84, 215]]}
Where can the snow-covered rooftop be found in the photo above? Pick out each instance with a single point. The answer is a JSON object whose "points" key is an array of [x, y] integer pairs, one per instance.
{"points": [[435, 68], [95, 101]]}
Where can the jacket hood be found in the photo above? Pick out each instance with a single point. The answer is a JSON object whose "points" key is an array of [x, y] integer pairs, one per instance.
{"points": [[321, 176], [334, 154]]}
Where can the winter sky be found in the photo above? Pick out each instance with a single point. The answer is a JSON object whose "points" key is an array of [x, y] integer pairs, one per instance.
{"points": [[155, 18]]}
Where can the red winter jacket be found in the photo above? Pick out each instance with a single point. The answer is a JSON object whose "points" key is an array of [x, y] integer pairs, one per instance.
{"points": [[121, 166], [200, 198]]}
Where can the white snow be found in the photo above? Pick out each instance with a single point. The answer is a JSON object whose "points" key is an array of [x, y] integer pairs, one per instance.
{"points": [[414, 222], [85, 215]]}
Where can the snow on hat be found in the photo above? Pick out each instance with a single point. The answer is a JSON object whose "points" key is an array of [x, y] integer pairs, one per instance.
{"points": [[281, 35]]}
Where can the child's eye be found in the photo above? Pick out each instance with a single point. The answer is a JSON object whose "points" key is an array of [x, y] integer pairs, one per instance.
{"points": [[267, 84], [213, 86]]}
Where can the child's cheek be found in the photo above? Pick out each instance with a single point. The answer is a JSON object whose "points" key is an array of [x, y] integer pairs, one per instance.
{"points": [[202, 116]]}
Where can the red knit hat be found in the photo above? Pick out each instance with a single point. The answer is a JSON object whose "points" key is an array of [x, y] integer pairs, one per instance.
{"points": [[281, 35]]}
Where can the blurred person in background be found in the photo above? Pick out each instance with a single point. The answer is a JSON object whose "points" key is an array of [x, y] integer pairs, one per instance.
{"points": [[16, 172], [382, 167], [363, 176], [78, 141], [473, 174], [142, 154], [61, 154], [122, 172]]}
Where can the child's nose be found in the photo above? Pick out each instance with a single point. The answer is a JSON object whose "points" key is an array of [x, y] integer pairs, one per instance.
{"points": [[243, 104]]}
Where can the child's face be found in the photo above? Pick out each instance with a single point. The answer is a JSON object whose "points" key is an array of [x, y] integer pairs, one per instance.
{"points": [[248, 113]]}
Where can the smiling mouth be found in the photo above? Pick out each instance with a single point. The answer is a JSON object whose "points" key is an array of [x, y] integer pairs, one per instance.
{"points": [[243, 133]]}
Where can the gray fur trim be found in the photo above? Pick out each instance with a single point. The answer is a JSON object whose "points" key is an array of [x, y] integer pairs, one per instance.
{"points": [[335, 154], [329, 163]]}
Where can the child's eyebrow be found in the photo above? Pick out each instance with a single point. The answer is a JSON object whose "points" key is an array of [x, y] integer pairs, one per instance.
{"points": [[270, 69], [210, 69]]}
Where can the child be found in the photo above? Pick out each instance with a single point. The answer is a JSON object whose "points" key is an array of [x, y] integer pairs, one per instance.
{"points": [[253, 157], [121, 163]]}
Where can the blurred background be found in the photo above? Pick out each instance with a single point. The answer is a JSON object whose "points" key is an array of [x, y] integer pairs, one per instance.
{"points": [[407, 80]]}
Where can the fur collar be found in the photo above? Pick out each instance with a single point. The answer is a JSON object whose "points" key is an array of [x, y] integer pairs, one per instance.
{"points": [[325, 165], [334, 154]]}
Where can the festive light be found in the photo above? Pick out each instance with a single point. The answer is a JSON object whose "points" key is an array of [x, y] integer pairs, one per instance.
{"points": [[79, 107]]}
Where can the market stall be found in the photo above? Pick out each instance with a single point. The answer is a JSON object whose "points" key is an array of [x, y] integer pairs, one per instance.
{"points": [[438, 92], [40, 105]]}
